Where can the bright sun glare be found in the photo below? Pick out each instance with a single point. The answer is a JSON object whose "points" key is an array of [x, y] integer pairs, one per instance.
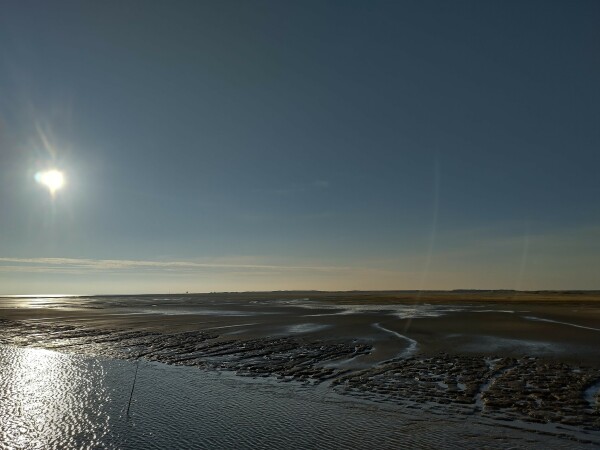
{"points": [[52, 179]]}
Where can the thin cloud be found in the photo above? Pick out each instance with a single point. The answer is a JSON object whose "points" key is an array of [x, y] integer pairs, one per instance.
{"points": [[63, 265]]}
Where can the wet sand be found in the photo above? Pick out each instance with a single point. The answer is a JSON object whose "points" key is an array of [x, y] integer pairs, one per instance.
{"points": [[559, 326], [510, 356]]}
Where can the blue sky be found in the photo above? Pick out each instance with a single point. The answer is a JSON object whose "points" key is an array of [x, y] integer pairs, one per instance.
{"points": [[299, 145]]}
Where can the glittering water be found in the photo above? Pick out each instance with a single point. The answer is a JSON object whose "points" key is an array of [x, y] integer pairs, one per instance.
{"points": [[50, 400]]}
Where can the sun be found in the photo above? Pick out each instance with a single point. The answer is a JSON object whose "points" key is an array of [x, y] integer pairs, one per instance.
{"points": [[52, 179]]}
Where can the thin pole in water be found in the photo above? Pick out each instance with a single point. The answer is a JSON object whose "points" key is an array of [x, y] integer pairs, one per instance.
{"points": [[133, 387]]}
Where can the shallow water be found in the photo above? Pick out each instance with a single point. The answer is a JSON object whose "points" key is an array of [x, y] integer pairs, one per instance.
{"points": [[204, 305], [50, 400]]}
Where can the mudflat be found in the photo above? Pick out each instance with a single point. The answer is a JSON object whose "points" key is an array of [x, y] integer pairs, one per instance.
{"points": [[563, 326], [506, 355]]}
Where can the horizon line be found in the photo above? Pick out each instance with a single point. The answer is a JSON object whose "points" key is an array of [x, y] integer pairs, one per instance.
{"points": [[459, 290]]}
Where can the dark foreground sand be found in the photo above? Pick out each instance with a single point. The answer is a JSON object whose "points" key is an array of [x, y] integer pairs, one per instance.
{"points": [[511, 356]]}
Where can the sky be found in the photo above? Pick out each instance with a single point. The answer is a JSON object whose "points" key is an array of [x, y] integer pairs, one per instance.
{"points": [[268, 145]]}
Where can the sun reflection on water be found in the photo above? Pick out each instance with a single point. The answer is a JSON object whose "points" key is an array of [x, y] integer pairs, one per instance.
{"points": [[40, 301], [45, 398]]}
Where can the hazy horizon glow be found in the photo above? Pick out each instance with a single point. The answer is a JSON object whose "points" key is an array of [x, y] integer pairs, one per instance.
{"points": [[299, 145]]}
